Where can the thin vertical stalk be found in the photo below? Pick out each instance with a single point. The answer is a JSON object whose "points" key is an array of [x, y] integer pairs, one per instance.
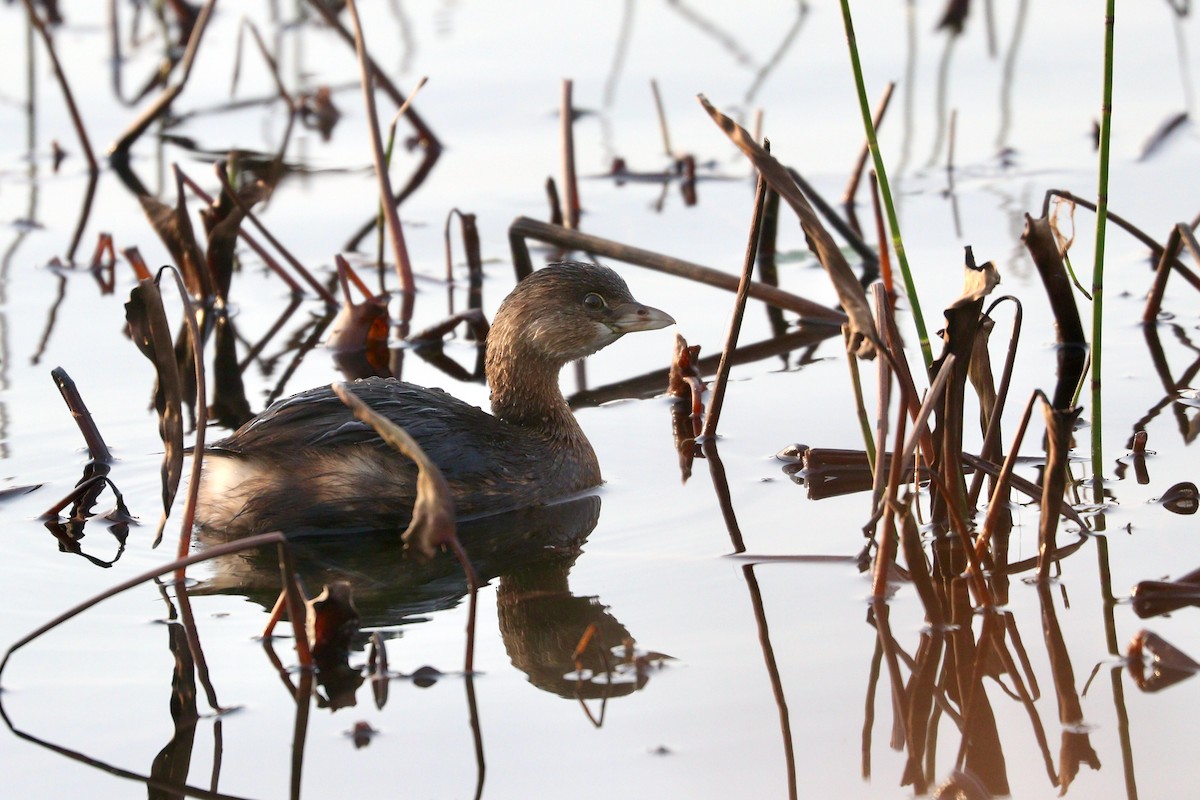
{"points": [[391, 216], [739, 310], [885, 189], [1098, 268], [570, 184]]}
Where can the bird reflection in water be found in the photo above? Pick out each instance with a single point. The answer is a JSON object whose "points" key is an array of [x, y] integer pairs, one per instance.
{"points": [[568, 645]]}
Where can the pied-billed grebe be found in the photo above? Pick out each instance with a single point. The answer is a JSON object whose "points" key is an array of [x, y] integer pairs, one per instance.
{"points": [[307, 463]]}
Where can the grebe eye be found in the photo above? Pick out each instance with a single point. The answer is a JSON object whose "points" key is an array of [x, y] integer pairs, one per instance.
{"points": [[593, 302]]}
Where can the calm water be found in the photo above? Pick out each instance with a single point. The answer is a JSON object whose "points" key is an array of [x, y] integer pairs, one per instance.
{"points": [[648, 558]]}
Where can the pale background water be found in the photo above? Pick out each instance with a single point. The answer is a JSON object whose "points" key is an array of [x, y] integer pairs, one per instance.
{"points": [[707, 724]]}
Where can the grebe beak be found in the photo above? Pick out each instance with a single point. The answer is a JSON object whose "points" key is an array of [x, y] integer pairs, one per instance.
{"points": [[630, 317]]}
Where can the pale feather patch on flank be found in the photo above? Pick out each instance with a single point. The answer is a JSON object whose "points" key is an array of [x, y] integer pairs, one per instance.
{"points": [[226, 486]]}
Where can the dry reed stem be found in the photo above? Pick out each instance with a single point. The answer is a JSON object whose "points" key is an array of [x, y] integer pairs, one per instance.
{"points": [[1161, 272], [844, 229], [995, 504], [991, 436], [433, 522], [321, 291], [885, 256], [566, 115], [1155, 248], [717, 398], [525, 227], [860, 163], [97, 448], [68, 97], [367, 70], [210, 553], [850, 293], [884, 371], [1059, 424], [662, 120], [201, 424], [119, 149], [253, 244], [716, 470]]}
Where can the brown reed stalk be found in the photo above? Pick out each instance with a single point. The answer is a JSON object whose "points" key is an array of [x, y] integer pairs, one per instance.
{"points": [[118, 151], [849, 291], [566, 115], [216, 551], [223, 176], [1161, 272], [262, 253], [882, 302], [201, 423], [991, 436], [526, 227], [367, 71], [68, 97], [717, 399], [662, 119], [97, 448], [865, 153], [844, 229], [885, 257], [1059, 425], [433, 523], [1155, 248]]}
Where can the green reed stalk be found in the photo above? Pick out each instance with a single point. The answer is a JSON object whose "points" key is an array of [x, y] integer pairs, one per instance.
{"points": [[885, 190], [1098, 268]]}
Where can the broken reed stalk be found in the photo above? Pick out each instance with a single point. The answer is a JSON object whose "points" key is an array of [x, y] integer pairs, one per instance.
{"points": [[97, 448], [861, 163], [860, 406], [1153, 246], [399, 249], [526, 227], [215, 551], [882, 303], [68, 97], [388, 152], [1059, 425], [662, 119], [268, 259], [118, 151], [829, 255], [991, 436], [717, 399], [844, 229], [189, 509], [885, 190], [566, 115], [1161, 272], [433, 522], [885, 258], [1098, 268], [253, 244]]}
